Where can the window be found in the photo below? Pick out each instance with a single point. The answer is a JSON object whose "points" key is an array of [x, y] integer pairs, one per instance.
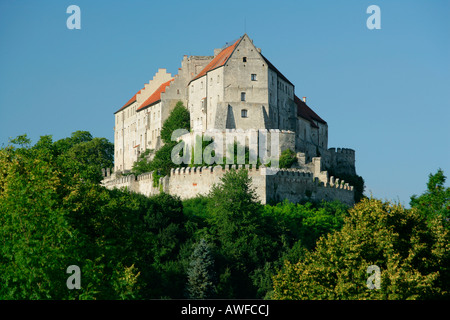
{"points": [[242, 96], [253, 77], [244, 113], [244, 59]]}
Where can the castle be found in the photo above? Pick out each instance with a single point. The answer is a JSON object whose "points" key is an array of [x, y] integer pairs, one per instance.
{"points": [[234, 91]]}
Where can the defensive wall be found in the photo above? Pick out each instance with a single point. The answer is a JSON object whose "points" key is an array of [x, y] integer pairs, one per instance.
{"points": [[293, 184]]}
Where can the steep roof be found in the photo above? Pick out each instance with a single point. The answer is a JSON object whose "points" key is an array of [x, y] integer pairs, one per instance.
{"points": [[223, 57], [133, 99], [218, 60], [155, 96], [307, 113], [271, 66]]}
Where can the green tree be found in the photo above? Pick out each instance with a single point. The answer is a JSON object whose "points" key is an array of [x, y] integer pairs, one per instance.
{"points": [[435, 201], [142, 165], [54, 214], [244, 239], [179, 119], [298, 226], [306, 222], [63, 145], [201, 274], [162, 239], [413, 257], [287, 159], [162, 161], [37, 242]]}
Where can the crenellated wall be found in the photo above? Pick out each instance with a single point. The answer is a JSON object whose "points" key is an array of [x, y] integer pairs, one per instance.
{"points": [[296, 186], [293, 184], [340, 160]]}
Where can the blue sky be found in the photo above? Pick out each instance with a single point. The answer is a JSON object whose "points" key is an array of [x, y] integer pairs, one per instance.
{"points": [[384, 93]]}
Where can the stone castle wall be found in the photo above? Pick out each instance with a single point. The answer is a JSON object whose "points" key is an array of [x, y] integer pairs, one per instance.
{"points": [[249, 138], [340, 160], [293, 184], [297, 185]]}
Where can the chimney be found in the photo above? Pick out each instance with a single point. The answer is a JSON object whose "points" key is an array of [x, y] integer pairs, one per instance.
{"points": [[304, 99]]}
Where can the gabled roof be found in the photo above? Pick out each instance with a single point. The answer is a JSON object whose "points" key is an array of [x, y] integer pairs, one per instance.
{"points": [[223, 57], [133, 99], [155, 96], [271, 66], [218, 60], [307, 113]]}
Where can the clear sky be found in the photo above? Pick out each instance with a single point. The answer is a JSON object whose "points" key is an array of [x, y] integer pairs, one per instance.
{"points": [[384, 93]]}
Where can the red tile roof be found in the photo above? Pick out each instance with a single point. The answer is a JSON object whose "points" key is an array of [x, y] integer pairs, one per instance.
{"points": [[306, 112], [155, 96], [219, 60], [133, 99]]}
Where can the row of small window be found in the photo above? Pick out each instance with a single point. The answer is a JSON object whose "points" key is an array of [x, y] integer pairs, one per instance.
{"points": [[126, 114], [252, 77], [244, 114]]}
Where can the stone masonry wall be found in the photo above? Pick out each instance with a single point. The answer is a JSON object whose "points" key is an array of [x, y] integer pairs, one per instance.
{"points": [[293, 184]]}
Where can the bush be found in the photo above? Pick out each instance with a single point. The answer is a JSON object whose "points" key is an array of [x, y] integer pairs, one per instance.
{"points": [[413, 257], [287, 159]]}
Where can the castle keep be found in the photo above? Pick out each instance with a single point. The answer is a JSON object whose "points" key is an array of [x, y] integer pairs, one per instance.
{"points": [[233, 91]]}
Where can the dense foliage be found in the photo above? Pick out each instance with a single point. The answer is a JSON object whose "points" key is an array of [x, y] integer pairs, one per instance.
{"points": [[162, 160], [201, 274], [287, 159], [54, 213], [179, 118], [412, 255], [436, 199]]}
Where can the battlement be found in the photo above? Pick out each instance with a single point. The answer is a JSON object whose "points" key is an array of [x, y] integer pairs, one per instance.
{"points": [[342, 151], [228, 167], [340, 184], [239, 131], [188, 182], [331, 182], [212, 169], [145, 176], [120, 179]]}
